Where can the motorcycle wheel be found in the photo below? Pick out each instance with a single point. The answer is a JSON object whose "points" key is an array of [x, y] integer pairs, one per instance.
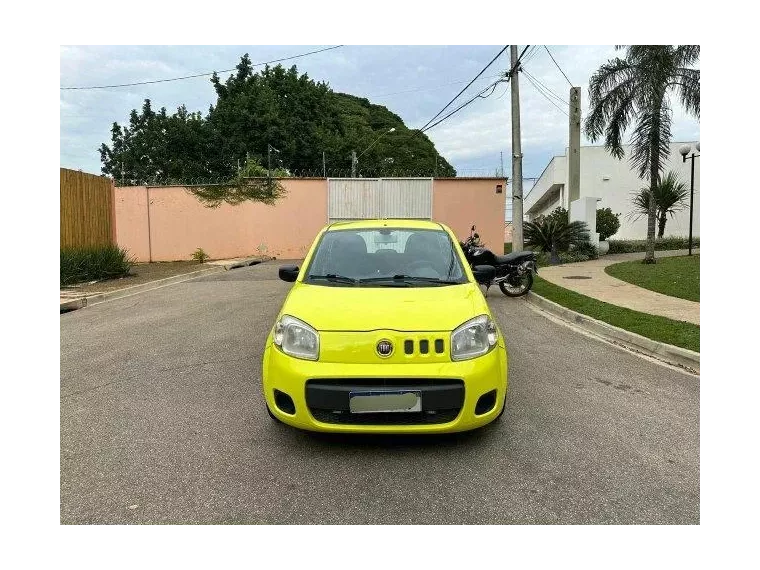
{"points": [[526, 282]]}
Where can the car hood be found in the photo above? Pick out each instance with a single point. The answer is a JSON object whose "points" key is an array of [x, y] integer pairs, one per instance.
{"points": [[439, 308]]}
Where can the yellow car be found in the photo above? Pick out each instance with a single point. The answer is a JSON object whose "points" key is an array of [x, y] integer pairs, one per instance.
{"points": [[385, 330]]}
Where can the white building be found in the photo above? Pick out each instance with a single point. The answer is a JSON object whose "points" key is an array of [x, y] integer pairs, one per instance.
{"points": [[613, 182]]}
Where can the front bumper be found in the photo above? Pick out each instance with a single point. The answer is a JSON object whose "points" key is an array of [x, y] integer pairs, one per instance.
{"points": [[477, 377]]}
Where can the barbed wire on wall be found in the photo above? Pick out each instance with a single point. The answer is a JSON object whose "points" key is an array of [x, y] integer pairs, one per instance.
{"points": [[308, 173]]}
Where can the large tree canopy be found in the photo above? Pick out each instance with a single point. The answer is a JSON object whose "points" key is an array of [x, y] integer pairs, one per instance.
{"points": [[299, 117]]}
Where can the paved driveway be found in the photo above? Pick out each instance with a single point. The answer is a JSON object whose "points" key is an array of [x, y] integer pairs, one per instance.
{"points": [[162, 421]]}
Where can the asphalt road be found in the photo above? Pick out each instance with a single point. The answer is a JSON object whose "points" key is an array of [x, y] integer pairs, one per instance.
{"points": [[163, 421]]}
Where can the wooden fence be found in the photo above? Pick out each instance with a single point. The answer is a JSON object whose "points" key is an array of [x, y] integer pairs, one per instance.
{"points": [[87, 209]]}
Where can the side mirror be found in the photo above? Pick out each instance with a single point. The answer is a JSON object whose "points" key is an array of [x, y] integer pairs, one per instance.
{"points": [[483, 273], [289, 273]]}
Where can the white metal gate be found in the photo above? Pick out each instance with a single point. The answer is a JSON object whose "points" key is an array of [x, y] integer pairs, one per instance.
{"points": [[367, 198]]}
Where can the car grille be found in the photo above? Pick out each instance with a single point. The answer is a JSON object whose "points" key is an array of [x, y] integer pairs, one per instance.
{"points": [[441, 399], [397, 419]]}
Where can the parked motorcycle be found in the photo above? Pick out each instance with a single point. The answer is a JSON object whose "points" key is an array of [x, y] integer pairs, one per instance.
{"points": [[514, 271]]}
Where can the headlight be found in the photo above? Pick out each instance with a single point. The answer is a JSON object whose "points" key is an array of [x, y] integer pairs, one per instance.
{"points": [[296, 338], [474, 338]]}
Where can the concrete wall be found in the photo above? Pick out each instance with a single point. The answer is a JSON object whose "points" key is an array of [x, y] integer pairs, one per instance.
{"points": [[179, 223], [460, 203], [168, 223]]}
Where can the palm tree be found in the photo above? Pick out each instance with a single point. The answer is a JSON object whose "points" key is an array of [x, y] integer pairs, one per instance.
{"points": [[669, 197], [553, 235], [637, 89]]}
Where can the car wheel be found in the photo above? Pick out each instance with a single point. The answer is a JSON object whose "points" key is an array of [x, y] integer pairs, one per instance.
{"points": [[271, 415], [501, 413]]}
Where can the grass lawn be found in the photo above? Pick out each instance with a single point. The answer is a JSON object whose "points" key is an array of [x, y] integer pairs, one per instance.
{"points": [[674, 276], [661, 329]]}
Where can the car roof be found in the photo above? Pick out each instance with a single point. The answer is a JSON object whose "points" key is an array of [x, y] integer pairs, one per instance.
{"points": [[389, 223]]}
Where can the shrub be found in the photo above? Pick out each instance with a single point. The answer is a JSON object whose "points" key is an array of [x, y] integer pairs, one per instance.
{"points": [[558, 214], [660, 244], [551, 234], [607, 223], [200, 256], [544, 258], [585, 249], [81, 264]]}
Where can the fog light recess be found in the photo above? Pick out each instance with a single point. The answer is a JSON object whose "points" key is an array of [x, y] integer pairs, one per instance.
{"points": [[284, 402], [485, 403]]}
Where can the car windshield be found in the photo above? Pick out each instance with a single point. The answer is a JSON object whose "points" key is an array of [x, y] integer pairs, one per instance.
{"points": [[385, 257]]}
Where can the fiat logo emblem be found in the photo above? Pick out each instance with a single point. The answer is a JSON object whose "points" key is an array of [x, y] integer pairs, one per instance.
{"points": [[384, 348]]}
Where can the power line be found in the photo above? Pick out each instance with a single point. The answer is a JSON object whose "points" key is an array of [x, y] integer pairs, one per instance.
{"points": [[199, 74], [531, 54], [479, 95], [465, 88], [545, 96], [431, 88], [549, 91], [462, 106], [558, 67]]}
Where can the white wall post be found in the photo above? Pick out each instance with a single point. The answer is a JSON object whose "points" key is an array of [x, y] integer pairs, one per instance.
{"points": [[584, 210]]}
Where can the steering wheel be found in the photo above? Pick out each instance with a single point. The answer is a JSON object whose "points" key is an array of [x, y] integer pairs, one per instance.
{"points": [[422, 263]]}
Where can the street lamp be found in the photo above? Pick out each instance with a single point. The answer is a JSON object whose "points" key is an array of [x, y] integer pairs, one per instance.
{"points": [[685, 150], [355, 159]]}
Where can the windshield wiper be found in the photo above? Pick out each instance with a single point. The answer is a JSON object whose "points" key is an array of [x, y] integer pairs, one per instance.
{"points": [[335, 278], [409, 279]]}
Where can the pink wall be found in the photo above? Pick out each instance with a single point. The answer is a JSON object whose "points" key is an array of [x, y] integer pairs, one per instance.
{"points": [[179, 223], [132, 221], [460, 203]]}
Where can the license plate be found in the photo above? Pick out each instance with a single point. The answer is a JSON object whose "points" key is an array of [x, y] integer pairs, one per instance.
{"points": [[384, 401]]}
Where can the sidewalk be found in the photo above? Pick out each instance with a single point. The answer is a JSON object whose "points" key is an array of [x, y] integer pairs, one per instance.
{"points": [[589, 278]]}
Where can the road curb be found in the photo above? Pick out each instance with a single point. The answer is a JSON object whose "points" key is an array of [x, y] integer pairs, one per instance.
{"points": [[88, 300], [666, 352], [241, 262]]}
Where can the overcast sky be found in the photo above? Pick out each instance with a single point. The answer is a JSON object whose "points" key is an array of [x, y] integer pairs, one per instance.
{"points": [[412, 81]]}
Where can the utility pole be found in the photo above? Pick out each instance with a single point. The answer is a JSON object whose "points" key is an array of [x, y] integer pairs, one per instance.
{"points": [[574, 154], [353, 164], [501, 157], [517, 194], [324, 168]]}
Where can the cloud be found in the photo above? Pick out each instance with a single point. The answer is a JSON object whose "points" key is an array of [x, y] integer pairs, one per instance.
{"points": [[414, 82]]}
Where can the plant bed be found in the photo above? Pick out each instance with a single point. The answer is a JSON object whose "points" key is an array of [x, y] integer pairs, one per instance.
{"points": [[661, 244], [139, 274]]}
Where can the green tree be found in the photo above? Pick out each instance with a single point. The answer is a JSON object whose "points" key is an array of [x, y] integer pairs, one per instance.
{"points": [[157, 147], [669, 197], [301, 118], [607, 223], [637, 89], [252, 183]]}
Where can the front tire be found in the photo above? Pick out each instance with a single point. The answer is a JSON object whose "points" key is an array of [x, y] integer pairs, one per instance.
{"points": [[271, 415], [526, 282]]}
